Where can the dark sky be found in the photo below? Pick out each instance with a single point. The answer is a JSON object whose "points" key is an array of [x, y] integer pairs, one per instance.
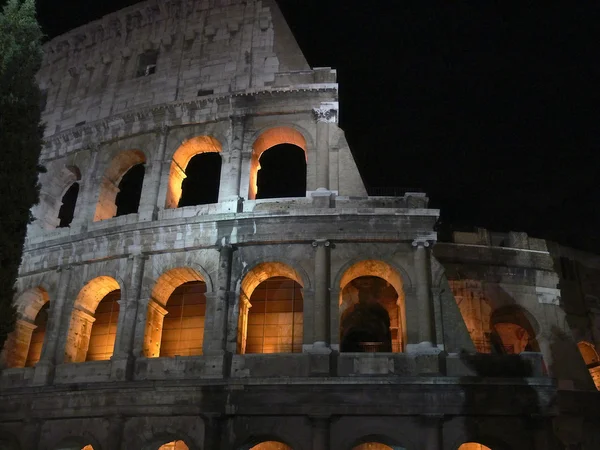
{"points": [[492, 108]]}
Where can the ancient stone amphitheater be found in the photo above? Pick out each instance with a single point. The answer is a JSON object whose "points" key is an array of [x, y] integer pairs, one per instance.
{"points": [[151, 317]]}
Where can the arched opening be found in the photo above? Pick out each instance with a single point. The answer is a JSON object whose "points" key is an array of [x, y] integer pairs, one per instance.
{"points": [[203, 176], [67, 209], [473, 446], [93, 327], [174, 445], [104, 329], [513, 331], [130, 191], [592, 361], [58, 196], [271, 310], [284, 171], [271, 445], [37, 336], [376, 446], [73, 444], [375, 442], [123, 178], [176, 313], [371, 308], [195, 173], [23, 346]]}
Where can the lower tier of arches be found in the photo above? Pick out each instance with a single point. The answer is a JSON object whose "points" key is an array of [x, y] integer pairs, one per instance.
{"points": [[428, 432]]}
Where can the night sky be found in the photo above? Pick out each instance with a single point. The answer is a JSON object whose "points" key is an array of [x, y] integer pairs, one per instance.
{"points": [[492, 109]]}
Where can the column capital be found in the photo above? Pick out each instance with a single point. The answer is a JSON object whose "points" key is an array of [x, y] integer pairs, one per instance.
{"points": [[425, 242], [163, 129], [322, 243], [238, 118]]}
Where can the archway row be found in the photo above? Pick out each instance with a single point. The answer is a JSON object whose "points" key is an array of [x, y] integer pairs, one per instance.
{"points": [[270, 320]]}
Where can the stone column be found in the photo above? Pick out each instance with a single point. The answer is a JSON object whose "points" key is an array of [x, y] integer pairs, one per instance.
{"points": [[116, 425], [321, 299], [16, 347], [30, 439], [231, 173], [149, 198], [78, 336], [320, 429], [123, 358], [148, 328], [85, 206], [426, 333], [433, 425], [324, 115], [213, 430], [217, 306], [58, 318]]}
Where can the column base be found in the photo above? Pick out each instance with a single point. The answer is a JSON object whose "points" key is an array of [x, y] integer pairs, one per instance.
{"points": [[121, 367], [316, 348], [322, 198], [424, 347], [43, 373], [232, 205]]}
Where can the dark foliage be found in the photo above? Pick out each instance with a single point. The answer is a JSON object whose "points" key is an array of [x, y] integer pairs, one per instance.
{"points": [[20, 142]]}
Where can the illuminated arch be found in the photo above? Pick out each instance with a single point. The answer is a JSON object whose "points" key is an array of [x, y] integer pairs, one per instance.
{"points": [[291, 320], [384, 318], [182, 156], [376, 442], [18, 351], [164, 287], [265, 443], [83, 317], [513, 330], [106, 207], [473, 446], [592, 361], [266, 140]]}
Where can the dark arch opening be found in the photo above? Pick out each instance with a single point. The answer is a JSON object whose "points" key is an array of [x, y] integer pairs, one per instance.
{"points": [[365, 325], [203, 177], [67, 209], [282, 172], [513, 330], [130, 190]]}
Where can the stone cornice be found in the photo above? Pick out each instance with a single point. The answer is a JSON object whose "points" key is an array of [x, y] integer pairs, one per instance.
{"points": [[144, 119]]}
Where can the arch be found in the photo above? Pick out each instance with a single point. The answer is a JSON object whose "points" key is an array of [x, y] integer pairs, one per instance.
{"points": [[276, 323], [371, 308], [588, 353], [265, 443], [473, 446], [174, 445], [181, 158], [83, 317], [266, 140], [513, 330], [170, 439], [376, 442], [68, 202], [17, 347], [592, 361], [282, 172], [163, 289], [85, 442], [106, 207], [54, 187]]}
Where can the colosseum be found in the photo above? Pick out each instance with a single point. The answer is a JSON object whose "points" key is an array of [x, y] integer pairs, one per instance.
{"points": [[173, 296]]}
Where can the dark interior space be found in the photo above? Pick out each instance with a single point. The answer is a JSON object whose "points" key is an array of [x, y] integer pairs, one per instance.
{"points": [[203, 176]]}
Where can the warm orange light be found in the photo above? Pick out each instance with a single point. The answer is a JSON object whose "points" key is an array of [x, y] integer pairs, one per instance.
{"points": [[268, 139], [181, 158]]}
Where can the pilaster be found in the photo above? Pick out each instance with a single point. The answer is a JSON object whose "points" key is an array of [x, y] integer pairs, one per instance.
{"points": [[152, 181]]}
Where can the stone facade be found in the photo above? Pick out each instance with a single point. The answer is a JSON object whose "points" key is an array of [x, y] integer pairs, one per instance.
{"points": [[157, 84]]}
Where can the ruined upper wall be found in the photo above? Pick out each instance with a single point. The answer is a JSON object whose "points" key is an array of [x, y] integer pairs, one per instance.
{"points": [[203, 47]]}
